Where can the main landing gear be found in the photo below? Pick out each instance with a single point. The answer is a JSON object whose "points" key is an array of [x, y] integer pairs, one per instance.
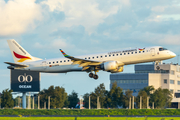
{"points": [[95, 76]]}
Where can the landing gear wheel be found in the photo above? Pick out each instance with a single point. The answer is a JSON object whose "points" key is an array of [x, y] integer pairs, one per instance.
{"points": [[91, 75], [95, 77]]}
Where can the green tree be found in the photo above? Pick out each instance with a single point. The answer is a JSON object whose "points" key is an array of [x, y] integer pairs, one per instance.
{"points": [[86, 100], [126, 98], [149, 90], [101, 92], [114, 96], [7, 99], [57, 94], [168, 97], [73, 99], [161, 98], [144, 99]]}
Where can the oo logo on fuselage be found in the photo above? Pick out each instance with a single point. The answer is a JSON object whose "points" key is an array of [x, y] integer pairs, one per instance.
{"points": [[25, 78]]}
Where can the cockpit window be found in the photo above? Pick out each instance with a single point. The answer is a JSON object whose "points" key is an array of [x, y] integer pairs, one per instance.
{"points": [[161, 49]]}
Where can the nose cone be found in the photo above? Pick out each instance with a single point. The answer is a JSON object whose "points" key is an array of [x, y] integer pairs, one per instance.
{"points": [[172, 54]]}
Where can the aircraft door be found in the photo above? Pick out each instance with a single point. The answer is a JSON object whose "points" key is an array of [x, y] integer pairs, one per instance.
{"points": [[152, 51], [44, 64]]}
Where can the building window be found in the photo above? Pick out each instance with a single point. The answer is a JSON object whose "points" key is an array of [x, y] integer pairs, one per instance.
{"points": [[178, 82], [171, 81], [165, 81], [171, 90], [172, 72]]}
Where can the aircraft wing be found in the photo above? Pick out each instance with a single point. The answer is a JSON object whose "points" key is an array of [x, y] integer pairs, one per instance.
{"points": [[15, 64], [82, 62]]}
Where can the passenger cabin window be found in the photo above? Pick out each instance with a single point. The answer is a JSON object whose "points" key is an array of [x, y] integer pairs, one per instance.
{"points": [[92, 57], [131, 52], [101, 56], [97, 56], [60, 61], [139, 51], [89, 57], [113, 54], [105, 55], [68, 60], [143, 51], [64, 60], [109, 55], [57, 62], [128, 53], [85, 58], [124, 53], [162, 49], [136, 52], [49, 62], [116, 54], [53, 62], [121, 54]]}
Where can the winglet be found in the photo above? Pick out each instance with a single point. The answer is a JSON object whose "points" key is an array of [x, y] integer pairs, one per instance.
{"points": [[65, 55]]}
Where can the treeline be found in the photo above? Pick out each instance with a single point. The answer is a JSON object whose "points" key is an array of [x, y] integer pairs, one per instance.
{"points": [[114, 98]]}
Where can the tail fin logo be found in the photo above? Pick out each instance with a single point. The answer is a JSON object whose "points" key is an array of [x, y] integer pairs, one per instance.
{"points": [[21, 57]]}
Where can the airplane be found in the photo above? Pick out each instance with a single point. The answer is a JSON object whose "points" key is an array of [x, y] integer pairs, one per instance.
{"points": [[109, 61]]}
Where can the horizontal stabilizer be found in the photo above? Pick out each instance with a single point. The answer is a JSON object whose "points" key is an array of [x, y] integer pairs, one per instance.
{"points": [[15, 64]]}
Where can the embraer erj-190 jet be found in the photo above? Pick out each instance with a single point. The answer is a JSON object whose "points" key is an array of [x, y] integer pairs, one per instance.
{"points": [[110, 61]]}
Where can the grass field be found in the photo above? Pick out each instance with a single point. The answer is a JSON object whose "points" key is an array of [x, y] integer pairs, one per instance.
{"points": [[89, 118]]}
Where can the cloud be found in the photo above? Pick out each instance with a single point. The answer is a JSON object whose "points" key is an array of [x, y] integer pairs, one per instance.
{"points": [[18, 16], [85, 13], [54, 44]]}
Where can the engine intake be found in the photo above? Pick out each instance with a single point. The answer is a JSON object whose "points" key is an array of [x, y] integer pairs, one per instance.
{"points": [[110, 65]]}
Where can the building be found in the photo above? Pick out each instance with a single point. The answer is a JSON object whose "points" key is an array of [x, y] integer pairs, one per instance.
{"points": [[165, 76]]}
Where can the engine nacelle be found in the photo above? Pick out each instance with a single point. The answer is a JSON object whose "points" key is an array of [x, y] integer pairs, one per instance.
{"points": [[120, 69], [109, 66]]}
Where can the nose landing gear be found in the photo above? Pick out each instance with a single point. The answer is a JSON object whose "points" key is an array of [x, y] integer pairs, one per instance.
{"points": [[95, 76]]}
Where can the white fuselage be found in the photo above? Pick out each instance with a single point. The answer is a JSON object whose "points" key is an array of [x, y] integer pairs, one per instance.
{"points": [[123, 57]]}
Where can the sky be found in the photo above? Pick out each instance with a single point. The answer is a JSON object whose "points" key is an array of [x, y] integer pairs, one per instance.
{"points": [[81, 27]]}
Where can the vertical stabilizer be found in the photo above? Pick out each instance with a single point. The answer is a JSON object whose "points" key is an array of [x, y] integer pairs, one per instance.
{"points": [[19, 53]]}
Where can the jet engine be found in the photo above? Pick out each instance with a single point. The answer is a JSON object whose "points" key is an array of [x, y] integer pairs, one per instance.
{"points": [[112, 66], [120, 69]]}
